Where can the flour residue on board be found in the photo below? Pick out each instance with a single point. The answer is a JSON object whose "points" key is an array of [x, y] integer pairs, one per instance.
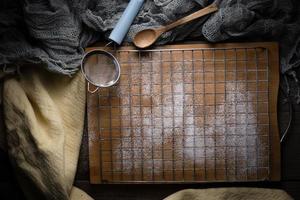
{"points": [[190, 129]]}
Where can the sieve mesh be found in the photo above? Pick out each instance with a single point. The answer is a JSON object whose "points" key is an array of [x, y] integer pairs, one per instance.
{"points": [[101, 68]]}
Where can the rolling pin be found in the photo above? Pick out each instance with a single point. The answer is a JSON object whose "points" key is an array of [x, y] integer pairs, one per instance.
{"points": [[124, 23]]}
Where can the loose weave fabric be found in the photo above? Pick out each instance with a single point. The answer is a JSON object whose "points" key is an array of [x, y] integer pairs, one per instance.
{"points": [[55, 32]]}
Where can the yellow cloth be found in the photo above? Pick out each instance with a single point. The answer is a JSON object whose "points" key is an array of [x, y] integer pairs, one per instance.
{"points": [[230, 194], [44, 117]]}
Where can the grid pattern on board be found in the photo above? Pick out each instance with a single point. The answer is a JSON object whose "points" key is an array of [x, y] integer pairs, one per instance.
{"points": [[184, 115]]}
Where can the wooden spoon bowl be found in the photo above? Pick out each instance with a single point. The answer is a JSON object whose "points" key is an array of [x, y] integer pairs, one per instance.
{"points": [[145, 38]]}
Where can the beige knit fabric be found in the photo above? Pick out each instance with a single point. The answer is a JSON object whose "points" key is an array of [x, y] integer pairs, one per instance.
{"points": [[230, 194], [44, 116]]}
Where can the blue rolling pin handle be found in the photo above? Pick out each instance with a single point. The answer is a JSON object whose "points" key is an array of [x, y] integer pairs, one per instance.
{"points": [[124, 23]]}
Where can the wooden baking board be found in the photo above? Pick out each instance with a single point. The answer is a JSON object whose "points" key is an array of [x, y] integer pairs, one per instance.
{"points": [[188, 113]]}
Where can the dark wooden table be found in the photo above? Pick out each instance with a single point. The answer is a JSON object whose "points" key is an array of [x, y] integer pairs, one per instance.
{"points": [[290, 171]]}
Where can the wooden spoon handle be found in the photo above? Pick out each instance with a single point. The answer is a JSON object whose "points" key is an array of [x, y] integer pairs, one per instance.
{"points": [[205, 11]]}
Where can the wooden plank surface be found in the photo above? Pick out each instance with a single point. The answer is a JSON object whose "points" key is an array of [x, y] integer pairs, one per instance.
{"points": [[165, 121]]}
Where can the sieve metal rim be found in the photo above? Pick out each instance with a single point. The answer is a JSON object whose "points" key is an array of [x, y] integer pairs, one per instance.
{"points": [[97, 51]]}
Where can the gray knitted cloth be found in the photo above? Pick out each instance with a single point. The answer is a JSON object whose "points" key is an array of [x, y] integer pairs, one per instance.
{"points": [[54, 32]]}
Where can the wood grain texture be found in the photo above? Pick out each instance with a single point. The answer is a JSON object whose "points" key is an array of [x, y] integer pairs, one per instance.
{"points": [[198, 113], [273, 97]]}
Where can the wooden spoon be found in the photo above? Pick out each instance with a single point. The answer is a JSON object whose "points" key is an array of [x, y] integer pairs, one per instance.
{"points": [[147, 37]]}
